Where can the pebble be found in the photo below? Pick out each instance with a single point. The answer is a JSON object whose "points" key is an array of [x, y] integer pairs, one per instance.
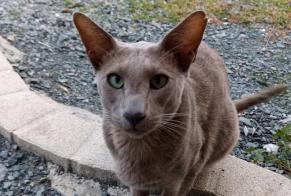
{"points": [[10, 177], [6, 185], [9, 193], [30, 173], [16, 166], [251, 145], [280, 45], [4, 154], [12, 161], [14, 146], [246, 121], [3, 172]]}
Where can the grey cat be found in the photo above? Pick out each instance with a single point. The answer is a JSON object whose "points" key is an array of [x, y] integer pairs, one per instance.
{"points": [[167, 110]]}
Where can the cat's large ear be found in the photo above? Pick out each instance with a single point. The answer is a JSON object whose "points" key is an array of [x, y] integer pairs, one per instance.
{"points": [[183, 41], [98, 42]]}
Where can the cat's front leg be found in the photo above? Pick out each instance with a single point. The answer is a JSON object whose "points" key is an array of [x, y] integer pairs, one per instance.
{"points": [[135, 192]]}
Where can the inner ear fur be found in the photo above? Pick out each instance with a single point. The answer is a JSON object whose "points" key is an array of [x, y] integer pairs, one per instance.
{"points": [[183, 41], [97, 41]]}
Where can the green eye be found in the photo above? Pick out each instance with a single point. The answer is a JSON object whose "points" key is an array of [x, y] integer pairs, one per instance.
{"points": [[115, 81], [158, 81]]}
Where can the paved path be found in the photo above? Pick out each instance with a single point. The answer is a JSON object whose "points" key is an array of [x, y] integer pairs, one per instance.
{"points": [[72, 138]]}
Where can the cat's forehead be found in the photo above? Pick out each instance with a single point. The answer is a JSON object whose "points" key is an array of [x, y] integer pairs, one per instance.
{"points": [[137, 58], [142, 53]]}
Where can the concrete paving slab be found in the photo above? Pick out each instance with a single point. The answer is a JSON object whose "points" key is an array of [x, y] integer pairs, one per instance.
{"points": [[11, 82], [58, 135], [93, 158], [235, 177], [21, 108], [4, 65]]}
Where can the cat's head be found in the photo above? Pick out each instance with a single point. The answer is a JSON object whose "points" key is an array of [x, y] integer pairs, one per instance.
{"points": [[141, 84]]}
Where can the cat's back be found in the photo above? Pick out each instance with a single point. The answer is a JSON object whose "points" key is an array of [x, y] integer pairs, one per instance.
{"points": [[209, 71], [209, 62], [209, 82]]}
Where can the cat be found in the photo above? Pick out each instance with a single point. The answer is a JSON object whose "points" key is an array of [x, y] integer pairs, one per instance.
{"points": [[167, 112]]}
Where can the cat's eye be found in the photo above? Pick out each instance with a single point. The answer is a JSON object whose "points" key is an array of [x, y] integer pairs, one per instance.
{"points": [[115, 81], [159, 81]]}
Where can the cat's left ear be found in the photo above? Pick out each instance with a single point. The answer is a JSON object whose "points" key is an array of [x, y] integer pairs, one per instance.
{"points": [[183, 41]]}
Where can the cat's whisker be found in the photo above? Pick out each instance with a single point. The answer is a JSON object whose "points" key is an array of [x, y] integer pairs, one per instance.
{"points": [[173, 121], [176, 127], [170, 124], [166, 128], [171, 131], [175, 114], [107, 116], [177, 123]]}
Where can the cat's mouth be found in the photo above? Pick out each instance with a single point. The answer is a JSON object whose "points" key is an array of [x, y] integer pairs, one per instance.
{"points": [[136, 133]]}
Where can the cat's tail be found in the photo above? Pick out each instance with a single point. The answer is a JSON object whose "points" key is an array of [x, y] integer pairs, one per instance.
{"points": [[259, 97]]}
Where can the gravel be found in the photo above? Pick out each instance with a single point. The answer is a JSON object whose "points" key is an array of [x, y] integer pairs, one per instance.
{"points": [[22, 173], [55, 63]]}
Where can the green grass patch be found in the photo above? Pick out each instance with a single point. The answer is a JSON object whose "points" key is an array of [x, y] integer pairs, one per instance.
{"points": [[283, 158], [73, 4], [274, 12]]}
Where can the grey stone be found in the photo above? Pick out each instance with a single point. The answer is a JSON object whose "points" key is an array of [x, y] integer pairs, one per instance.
{"points": [[3, 172], [16, 174], [12, 161], [6, 185], [14, 146], [4, 154], [9, 193], [40, 191], [30, 173], [10, 177], [250, 144], [246, 121], [280, 45]]}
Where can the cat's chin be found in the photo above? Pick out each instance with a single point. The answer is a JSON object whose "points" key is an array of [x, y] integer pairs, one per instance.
{"points": [[136, 133]]}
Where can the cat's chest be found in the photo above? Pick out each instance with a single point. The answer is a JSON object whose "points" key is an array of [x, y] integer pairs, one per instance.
{"points": [[143, 165], [140, 174]]}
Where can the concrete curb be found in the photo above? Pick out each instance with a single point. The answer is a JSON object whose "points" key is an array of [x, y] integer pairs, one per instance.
{"points": [[72, 138]]}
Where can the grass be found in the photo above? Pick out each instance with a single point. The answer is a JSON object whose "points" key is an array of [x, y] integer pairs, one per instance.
{"points": [[14, 14], [283, 158], [274, 12], [72, 4]]}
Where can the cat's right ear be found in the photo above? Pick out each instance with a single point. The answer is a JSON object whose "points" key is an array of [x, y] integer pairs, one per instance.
{"points": [[98, 42]]}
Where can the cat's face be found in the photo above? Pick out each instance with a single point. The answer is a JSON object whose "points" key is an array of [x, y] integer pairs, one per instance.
{"points": [[139, 87], [141, 84]]}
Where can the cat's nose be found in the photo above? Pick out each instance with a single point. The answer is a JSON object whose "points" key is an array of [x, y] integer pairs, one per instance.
{"points": [[134, 117]]}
